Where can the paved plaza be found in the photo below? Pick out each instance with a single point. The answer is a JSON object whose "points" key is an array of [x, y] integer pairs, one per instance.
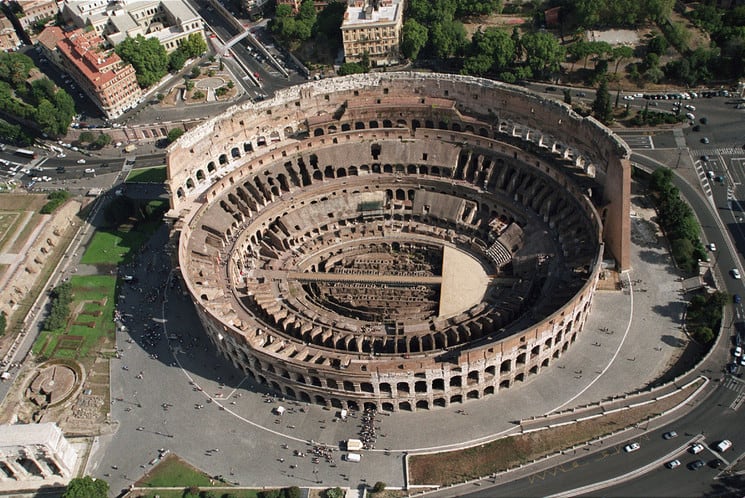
{"points": [[171, 389]]}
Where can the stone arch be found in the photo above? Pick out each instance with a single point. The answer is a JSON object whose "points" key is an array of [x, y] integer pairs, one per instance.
{"points": [[211, 167], [404, 406], [223, 159], [235, 152], [422, 404], [200, 175]]}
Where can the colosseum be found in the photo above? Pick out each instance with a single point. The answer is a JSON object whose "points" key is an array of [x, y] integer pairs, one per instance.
{"points": [[397, 241]]}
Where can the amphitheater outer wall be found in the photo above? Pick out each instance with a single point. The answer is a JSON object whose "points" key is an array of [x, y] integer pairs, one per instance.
{"points": [[420, 381]]}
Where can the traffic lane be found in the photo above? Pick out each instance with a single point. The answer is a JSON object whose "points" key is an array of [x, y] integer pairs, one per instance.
{"points": [[718, 421], [711, 416]]}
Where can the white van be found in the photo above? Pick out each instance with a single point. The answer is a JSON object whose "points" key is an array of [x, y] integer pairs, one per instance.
{"points": [[723, 445], [354, 457]]}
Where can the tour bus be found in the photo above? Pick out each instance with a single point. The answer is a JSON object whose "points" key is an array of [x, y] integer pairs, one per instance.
{"points": [[26, 153]]}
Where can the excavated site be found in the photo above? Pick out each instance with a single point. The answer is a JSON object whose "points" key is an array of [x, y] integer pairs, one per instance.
{"points": [[397, 241]]}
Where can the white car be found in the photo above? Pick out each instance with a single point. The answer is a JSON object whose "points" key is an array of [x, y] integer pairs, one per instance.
{"points": [[90, 170], [696, 448], [735, 273], [690, 116], [723, 445], [81, 161], [712, 247], [630, 448], [690, 107], [673, 464], [738, 351], [628, 97]]}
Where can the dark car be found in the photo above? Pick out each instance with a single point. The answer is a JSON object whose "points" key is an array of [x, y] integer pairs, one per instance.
{"points": [[732, 368], [60, 169], [696, 464], [704, 158], [716, 463], [696, 128], [703, 120], [550, 88], [736, 298]]}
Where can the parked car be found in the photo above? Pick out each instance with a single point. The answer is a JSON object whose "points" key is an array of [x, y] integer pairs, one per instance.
{"points": [[696, 448], [705, 140], [696, 464], [673, 464]]}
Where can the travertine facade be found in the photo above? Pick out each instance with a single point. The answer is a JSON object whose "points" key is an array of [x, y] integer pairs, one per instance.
{"points": [[34, 455], [398, 241]]}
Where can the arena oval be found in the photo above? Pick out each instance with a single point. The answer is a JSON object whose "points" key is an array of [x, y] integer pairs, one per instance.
{"points": [[397, 241]]}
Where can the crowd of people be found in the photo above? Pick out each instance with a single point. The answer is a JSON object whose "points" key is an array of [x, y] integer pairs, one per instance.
{"points": [[368, 434]]}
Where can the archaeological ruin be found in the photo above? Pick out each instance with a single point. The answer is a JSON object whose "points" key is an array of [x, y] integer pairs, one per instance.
{"points": [[397, 241]]}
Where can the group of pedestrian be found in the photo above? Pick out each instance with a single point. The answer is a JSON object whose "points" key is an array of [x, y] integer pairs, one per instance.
{"points": [[368, 432]]}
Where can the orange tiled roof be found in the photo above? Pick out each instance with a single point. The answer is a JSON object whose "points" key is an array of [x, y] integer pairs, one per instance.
{"points": [[84, 50]]}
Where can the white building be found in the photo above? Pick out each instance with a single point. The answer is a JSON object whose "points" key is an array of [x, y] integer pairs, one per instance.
{"points": [[373, 27], [34, 455], [170, 21]]}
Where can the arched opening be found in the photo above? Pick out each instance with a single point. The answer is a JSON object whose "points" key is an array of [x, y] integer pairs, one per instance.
{"points": [[422, 404], [438, 385], [440, 402], [387, 407], [456, 399], [404, 406]]}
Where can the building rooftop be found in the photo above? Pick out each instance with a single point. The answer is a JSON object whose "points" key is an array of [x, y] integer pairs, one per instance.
{"points": [[366, 13], [27, 434], [83, 49]]}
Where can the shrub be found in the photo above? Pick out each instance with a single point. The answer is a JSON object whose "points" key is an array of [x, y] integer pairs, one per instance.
{"points": [[197, 95], [378, 487]]}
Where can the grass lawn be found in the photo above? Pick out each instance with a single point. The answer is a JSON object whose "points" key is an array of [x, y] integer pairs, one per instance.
{"points": [[502, 454], [116, 246], [169, 493], [93, 309], [172, 472], [147, 175]]}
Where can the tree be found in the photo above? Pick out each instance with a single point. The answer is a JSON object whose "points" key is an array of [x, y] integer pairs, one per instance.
{"points": [[478, 7], [567, 96], [414, 38], [293, 492], [46, 117], [601, 107], [102, 140], [448, 38], [3, 323], [86, 137], [195, 72], [379, 486], [543, 52], [351, 68], [193, 46], [86, 487], [176, 60], [334, 493], [657, 45], [147, 56], [621, 53], [197, 95], [492, 50]]}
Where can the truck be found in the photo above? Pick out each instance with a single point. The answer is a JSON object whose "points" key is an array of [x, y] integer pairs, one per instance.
{"points": [[354, 457], [354, 445]]}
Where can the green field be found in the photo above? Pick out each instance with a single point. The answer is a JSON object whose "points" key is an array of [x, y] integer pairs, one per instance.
{"points": [[147, 175], [91, 322], [116, 246], [173, 471]]}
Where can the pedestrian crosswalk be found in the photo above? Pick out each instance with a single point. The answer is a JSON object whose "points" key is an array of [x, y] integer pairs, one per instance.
{"points": [[738, 386], [734, 384], [713, 151], [639, 141]]}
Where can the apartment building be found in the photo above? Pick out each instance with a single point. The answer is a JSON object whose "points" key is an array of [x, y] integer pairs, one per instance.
{"points": [[8, 37], [32, 11], [100, 73], [373, 27]]}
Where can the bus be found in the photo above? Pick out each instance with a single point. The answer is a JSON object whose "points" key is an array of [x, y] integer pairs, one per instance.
{"points": [[26, 153]]}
